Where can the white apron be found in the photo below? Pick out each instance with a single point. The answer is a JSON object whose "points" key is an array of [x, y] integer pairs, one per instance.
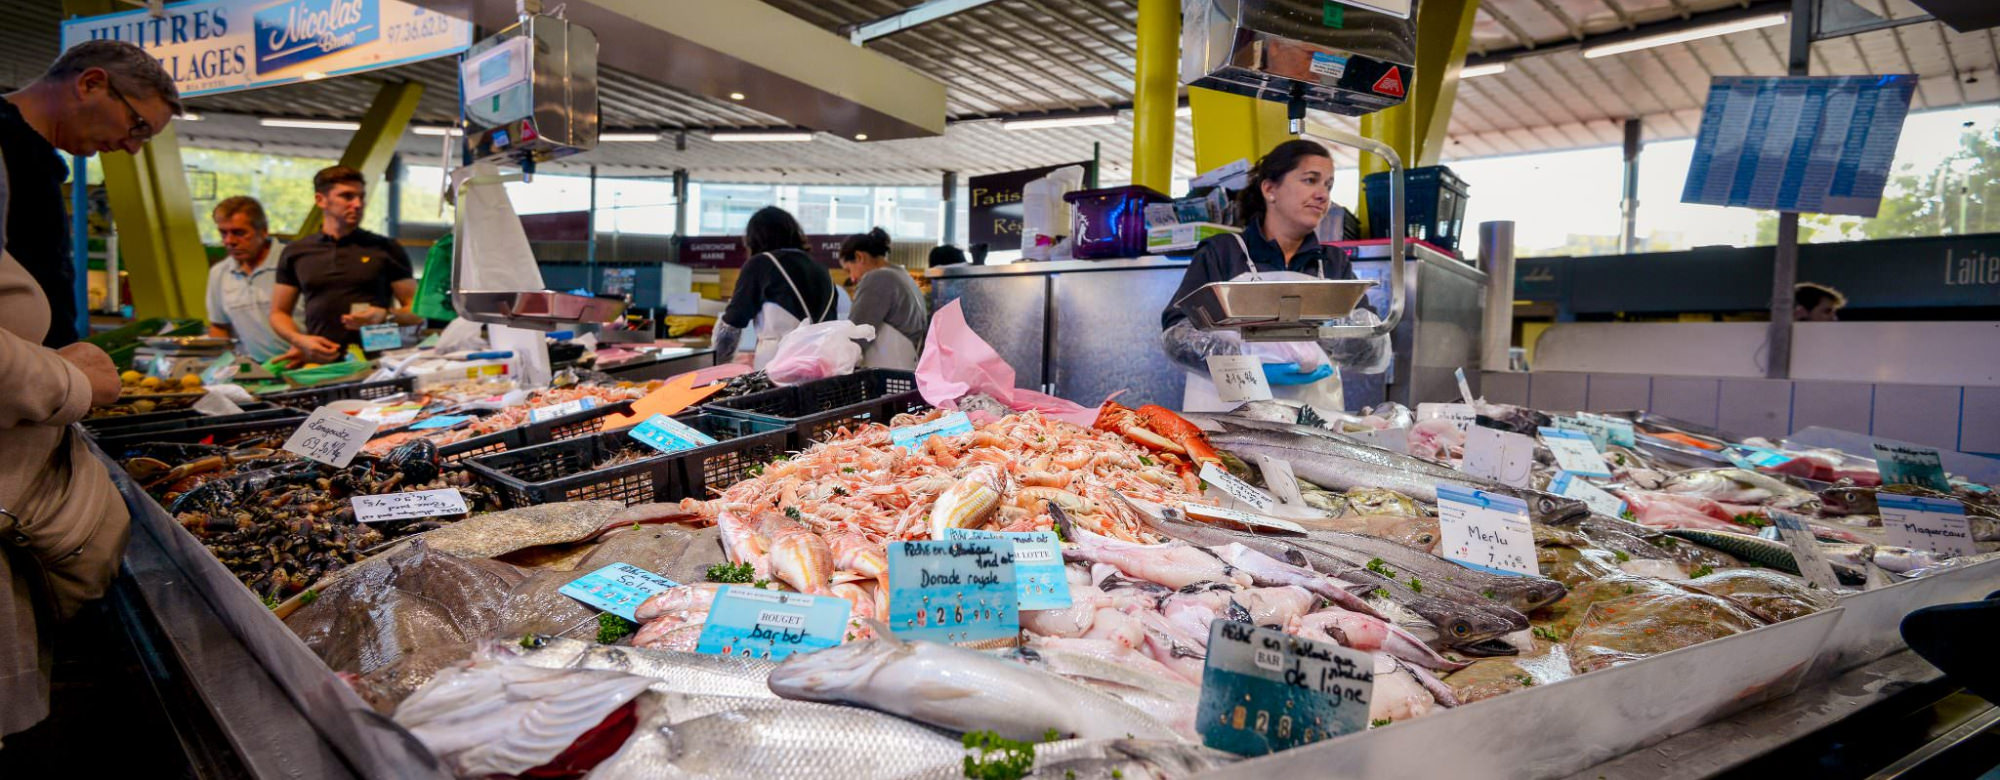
{"points": [[1324, 396], [773, 323], [890, 349]]}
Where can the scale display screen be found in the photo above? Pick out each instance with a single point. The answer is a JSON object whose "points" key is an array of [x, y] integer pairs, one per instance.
{"points": [[498, 83]]}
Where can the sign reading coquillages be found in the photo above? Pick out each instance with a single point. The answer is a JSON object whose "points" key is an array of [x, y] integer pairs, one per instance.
{"points": [[215, 46]]}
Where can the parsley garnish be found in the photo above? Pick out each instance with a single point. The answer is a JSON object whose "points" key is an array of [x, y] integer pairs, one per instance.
{"points": [[993, 757], [1488, 593], [1145, 461], [1379, 722], [1751, 519], [1543, 633], [1621, 555], [1701, 571], [848, 470], [1376, 565], [308, 597], [611, 628], [1381, 593], [724, 572], [1416, 585]]}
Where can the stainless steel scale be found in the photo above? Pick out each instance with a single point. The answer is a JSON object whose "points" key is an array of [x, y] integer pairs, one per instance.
{"points": [[1323, 54], [528, 95]]}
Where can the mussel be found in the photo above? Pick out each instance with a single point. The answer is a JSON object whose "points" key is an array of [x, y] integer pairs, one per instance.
{"points": [[416, 460]]}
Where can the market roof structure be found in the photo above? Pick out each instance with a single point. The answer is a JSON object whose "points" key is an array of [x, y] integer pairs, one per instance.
{"points": [[1006, 58]]}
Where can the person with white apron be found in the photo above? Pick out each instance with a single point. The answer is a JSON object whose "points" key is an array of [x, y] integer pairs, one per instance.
{"points": [[886, 298], [1287, 195], [779, 288]]}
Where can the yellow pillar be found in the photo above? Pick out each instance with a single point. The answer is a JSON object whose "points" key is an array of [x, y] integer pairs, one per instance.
{"points": [[1416, 129], [1155, 90], [1229, 127], [372, 145], [158, 241]]}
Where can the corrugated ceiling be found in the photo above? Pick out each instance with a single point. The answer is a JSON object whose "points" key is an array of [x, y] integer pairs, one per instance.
{"points": [[1024, 56]]}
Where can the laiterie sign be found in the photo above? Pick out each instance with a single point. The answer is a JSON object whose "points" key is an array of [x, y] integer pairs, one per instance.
{"points": [[215, 46], [995, 205]]}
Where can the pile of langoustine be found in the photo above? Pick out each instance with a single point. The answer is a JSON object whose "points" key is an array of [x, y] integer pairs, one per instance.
{"points": [[820, 521]]}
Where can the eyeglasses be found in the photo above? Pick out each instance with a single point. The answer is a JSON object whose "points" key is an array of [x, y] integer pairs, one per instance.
{"points": [[142, 130]]}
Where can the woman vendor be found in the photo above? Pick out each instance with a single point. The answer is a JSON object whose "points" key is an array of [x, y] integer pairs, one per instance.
{"points": [[779, 288], [886, 298]]}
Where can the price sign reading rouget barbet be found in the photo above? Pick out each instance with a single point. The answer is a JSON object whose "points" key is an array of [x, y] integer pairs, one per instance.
{"points": [[769, 624], [1486, 531], [330, 437]]}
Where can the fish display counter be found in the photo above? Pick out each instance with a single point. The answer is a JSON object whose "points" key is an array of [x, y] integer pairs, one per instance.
{"points": [[841, 609]]}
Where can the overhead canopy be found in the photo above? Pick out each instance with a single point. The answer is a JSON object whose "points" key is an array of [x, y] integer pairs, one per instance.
{"points": [[1013, 57]]}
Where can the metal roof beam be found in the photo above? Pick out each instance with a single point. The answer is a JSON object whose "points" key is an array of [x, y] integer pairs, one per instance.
{"points": [[1529, 48], [917, 15]]}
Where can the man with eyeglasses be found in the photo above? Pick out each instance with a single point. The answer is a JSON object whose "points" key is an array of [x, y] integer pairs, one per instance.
{"points": [[99, 96]]}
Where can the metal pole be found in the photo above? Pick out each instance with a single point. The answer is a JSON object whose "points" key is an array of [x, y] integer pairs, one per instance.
{"points": [[590, 226], [79, 240], [393, 221], [1628, 229], [1785, 270], [680, 214], [950, 202], [1496, 257], [1155, 93]]}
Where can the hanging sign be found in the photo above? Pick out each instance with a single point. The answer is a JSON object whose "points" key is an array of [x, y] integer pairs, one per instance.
{"points": [[1263, 690], [215, 46], [994, 214]]}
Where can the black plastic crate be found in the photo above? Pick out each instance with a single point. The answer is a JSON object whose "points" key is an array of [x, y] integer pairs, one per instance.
{"points": [[742, 443], [314, 397], [569, 470], [819, 408], [113, 425], [1434, 205], [266, 429]]}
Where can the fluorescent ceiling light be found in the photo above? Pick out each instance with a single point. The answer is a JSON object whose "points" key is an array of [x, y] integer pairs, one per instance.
{"points": [[1683, 36], [1489, 69], [437, 131], [313, 76], [1058, 121], [628, 138], [736, 96], [189, 117], [756, 137], [311, 124]]}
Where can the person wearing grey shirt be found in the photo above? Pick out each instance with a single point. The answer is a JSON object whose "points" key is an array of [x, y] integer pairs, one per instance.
{"points": [[887, 298]]}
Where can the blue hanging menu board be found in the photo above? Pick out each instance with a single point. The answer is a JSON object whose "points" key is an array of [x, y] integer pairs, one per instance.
{"points": [[1820, 144]]}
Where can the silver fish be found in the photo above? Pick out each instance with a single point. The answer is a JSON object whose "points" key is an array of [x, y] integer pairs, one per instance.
{"points": [[958, 690], [1520, 592], [1124, 759], [672, 671], [780, 744], [505, 718], [1268, 571]]}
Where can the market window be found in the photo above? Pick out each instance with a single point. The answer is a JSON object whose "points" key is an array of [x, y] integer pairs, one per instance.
{"points": [[282, 183], [725, 209]]}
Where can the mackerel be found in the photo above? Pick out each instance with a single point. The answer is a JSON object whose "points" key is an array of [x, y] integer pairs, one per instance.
{"points": [[1524, 593]]}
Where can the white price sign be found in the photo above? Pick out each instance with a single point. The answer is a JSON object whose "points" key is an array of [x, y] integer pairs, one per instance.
{"points": [[1395, 440], [1506, 458], [552, 411], [1238, 378], [1279, 478], [1598, 499], [1575, 452], [1920, 523], [1460, 415], [330, 437], [1805, 549], [1235, 488], [443, 502], [1245, 519], [1486, 531]]}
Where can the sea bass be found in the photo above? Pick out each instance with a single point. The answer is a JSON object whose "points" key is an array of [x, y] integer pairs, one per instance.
{"points": [[670, 671], [780, 744], [958, 690]]}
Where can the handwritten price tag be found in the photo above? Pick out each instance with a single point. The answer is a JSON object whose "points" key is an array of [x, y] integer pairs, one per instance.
{"points": [[443, 502], [1279, 478], [552, 411], [1575, 453], [769, 624], [1245, 519], [1805, 549], [1263, 690], [1238, 378], [1599, 500], [1920, 523], [667, 434], [909, 436], [617, 589], [948, 592], [1039, 579], [1235, 488], [1603, 431], [1506, 458], [330, 437], [1486, 531], [375, 338], [1460, 415], [1920, 466]]}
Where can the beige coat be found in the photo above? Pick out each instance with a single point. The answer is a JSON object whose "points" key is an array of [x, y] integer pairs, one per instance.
{"points": [[62, 543]]}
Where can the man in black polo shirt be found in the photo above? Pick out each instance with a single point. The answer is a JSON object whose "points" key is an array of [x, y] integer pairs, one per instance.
{"points": [[350, 277]]}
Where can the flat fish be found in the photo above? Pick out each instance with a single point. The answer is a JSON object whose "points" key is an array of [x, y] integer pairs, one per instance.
{"points": [[498, 533]]}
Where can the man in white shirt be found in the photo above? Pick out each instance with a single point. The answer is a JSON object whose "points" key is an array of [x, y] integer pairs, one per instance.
{"points": [[239, 287]]}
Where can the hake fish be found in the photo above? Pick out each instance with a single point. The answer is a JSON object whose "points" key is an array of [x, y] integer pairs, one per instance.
{"points": [[1524, 593], [671, 671], [958, 690], [778, 743]]}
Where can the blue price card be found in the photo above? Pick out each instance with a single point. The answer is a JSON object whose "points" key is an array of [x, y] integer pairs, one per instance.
{"points": [[1603, 431], [220, 371], [667, 434], [552, 411], [1263, 690], [1911, 465], [439, 421], [1600, 500], [376, 338], [1039, 579], [617, 589], [1574, 452], [950, 592], [909, 436], [771, 624], [1486, 531]]}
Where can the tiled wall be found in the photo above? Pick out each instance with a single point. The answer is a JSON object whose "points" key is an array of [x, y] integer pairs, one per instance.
{"points": [[1966, 419]]}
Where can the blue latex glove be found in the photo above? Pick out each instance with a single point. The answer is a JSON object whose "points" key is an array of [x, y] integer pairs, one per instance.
{"points": [[1289, 374]]}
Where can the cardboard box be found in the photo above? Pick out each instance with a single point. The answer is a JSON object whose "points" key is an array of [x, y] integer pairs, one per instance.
{"points": [[1182, 237]]}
